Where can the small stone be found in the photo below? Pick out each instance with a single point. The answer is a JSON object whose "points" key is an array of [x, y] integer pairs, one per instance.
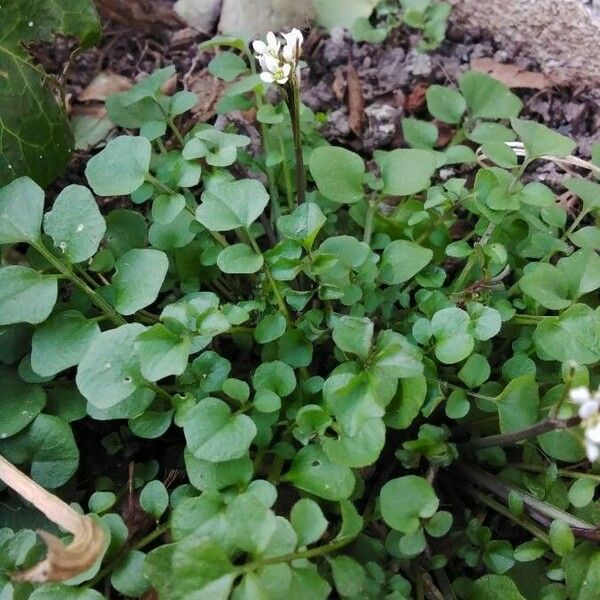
{"points": [[418, 63], [199, 14]]}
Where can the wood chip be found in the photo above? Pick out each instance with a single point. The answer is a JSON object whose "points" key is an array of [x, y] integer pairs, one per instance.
{"points": [[356, 101], [103, 85], [511, 75], [338, 87], [415, 101]]}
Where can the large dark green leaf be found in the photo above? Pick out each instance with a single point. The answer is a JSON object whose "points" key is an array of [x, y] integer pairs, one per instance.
{"points": [[35, 138]]}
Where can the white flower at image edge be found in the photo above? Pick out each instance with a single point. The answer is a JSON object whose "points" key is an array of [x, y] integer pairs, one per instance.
{"points": [[278, 63], [589, 413]]}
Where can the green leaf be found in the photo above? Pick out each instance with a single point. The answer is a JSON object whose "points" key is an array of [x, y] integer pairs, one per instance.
{"points": [[582, 492], [61, 342], [20, 402], [75, 223], [49, 446], [270, 328], [546, 285], [581, 271], [239, 259], [571, 336], [487, 98], [205, 475], [167, 207], [21, 210], [475, 371], [227, 66], [360, 449], [58, 591], [303, 225], [495, 587], [231, 205], [419, 134], [407, 500], [275, 376], [35, 133], [338, 173], [518, 404], [121, 167], [582, 572], [201, 569], [354, 335], [109, 372], [250, 524], [161, 353], [485, 323], [348, 575], [450, 327], [154, 498], [127, 578], [329, 14], [539, 140], [439, 525], [214, 434], [139, 275], [407, 172], [101, 502], [26, 296], [395, 357], [308, 521], [562, 539], [313, 472], [402, 260], [445, 104]]}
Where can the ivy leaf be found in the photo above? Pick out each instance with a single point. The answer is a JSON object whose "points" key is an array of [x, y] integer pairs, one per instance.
{"points": [[407, 500], [138, 278], [26, 296], [121, 167], [35, 133], [162, 353], [61, 342], [402, 260], [109, 372], [21, 210], [49, 446], [518, 404], [487, 98], [313, 472], [75, 223], [303, 224], [214, 434], [232, 204], [338, 173], [308, 521], [239, 259], [20, 402]]}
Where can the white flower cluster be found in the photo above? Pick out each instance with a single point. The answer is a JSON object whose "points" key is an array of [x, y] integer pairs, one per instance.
{"points": [[589, 413], [279, 60]]}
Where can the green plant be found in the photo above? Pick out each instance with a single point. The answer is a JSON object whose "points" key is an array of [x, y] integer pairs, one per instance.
{"points": [[373, 20], [41, 144], [367, 393]]}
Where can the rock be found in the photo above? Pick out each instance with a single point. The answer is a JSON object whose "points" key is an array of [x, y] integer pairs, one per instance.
{"points": [[418, 63], [256, 17], [199, 14], [558, 34], [383, 120]]}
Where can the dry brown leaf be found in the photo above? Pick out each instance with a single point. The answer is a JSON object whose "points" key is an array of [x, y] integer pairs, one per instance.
{"points": [[511, 75], [62, 561], [415, 101], [209, 90], [338, 87], [103, 85], [356, 101], [146, 15]]}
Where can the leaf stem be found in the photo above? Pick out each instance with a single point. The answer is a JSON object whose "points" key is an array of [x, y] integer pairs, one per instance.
{"points": [[369, 221], [65, 270], [294, 108]]}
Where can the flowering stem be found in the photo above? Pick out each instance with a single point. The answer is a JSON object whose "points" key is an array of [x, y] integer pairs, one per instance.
{"points": [[294, 108]]}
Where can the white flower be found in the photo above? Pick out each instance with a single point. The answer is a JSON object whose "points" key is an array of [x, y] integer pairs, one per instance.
{"points": [[279, 63], [293, 48], [589, 404], [592, 451], [279, 74]]}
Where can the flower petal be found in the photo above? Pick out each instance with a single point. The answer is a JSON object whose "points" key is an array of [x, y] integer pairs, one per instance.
{"points": [[267, 77], [579, 395], [593, 433], [589, 409], [259, 46], [592, 451]]}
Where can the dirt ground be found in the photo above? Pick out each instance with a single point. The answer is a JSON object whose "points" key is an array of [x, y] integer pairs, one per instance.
{"points": [[393, 77]]}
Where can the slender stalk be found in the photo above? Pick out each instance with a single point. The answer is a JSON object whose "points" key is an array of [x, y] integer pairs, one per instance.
{"points": [[65, 270], [287, 176], [514, 437], [294, 108], [561, 472], [371, 209], [540, 511]]}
